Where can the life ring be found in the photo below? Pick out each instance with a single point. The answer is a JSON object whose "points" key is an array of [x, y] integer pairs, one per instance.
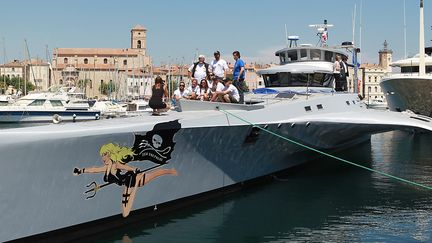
{"points": [[56, 118]]}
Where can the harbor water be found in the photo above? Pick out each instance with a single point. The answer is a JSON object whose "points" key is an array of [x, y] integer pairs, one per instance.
{"points": [[322, 201]]}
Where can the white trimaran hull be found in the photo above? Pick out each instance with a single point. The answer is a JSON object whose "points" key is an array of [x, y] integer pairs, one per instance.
{"points": [[209, 150]]}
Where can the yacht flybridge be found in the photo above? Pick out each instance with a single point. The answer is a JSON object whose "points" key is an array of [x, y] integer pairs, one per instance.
{"points": [[133, 167]]}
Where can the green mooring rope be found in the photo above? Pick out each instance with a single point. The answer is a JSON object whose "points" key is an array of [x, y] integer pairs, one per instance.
{"points": [[326, 154]]}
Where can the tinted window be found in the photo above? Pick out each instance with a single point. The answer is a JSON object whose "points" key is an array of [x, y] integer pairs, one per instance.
{"points": [[328, 56], [56, 103], [303, 54], [292, 55], [298, 80], [37, 103], [315, 54]]}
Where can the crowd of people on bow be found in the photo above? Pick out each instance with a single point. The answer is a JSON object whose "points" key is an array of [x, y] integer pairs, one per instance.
{"points": [[209, 82]]}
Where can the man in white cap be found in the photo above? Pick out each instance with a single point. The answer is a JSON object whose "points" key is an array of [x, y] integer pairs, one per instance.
{"points": [[199, 70]]}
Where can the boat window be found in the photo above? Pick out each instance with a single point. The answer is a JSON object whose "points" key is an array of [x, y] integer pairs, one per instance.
{"points": [[56, 103], [328, 56], [415, 69], [315, 54], [282, 57], [292, 55], [37, 103], [303, 54], [298, 80]]}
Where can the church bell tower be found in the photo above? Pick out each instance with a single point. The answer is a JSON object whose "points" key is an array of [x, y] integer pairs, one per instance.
{"points": [[385, 57], [138, 38]]}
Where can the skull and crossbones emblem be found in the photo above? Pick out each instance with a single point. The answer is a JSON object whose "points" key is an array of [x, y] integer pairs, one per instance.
{"points": [[154, 145], [157, 141]]}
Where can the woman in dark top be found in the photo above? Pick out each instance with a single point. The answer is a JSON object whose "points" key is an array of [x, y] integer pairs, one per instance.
{"points": [[159, 90]]}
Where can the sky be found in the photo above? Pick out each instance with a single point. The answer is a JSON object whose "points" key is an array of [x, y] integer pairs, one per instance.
{"points": [[178, 30]]}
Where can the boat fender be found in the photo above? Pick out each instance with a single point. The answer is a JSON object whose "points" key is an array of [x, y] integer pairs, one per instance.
{"points": [[74, 117], [97, 117], [56, 118]]}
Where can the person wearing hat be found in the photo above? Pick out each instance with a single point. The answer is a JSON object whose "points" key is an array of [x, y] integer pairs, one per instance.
{"points": [[218, 67], [199, 70]]}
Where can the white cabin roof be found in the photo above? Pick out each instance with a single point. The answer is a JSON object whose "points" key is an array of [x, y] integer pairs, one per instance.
{"points": [[412, 61], [299, 67]]}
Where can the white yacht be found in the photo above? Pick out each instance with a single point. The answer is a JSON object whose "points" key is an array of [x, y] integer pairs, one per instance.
{"points": [[408, 90], [71, 180], [412, 88], [47, 107], [138, 107], [5, 100]]}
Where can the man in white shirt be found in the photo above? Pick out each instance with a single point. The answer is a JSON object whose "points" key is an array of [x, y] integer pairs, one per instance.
{"points": [[193, 90], [229, 93], [216, 89], [218, 67], [200, 69], [181, 92]]}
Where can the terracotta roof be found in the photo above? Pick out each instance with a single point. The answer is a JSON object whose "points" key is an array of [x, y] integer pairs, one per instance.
{"points": [[139, 27], [14, 63], [38, 62], [95, 52], [371, 65]]}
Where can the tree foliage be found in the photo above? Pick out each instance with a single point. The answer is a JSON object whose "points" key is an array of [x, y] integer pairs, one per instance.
{"points": [[16, 82], [107, 88]]}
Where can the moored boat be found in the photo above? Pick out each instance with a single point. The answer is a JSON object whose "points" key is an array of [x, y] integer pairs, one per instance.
{"points": [[83, 177], [46, 107], [412, 88]]}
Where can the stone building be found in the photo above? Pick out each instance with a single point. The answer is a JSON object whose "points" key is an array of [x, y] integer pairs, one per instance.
{"points": [[373, 74], [90, 68], [38, 72], [35, 71]]}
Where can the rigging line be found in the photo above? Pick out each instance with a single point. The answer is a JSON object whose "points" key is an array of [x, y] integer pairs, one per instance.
{"points": [[327, 154]]}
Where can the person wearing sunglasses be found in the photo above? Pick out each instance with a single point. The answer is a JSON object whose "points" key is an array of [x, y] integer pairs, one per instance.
{"points": [[181, 92]]}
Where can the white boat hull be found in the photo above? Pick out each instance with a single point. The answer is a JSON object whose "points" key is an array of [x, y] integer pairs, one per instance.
{"points": [[409, 93], [208, 150], [18, 116]]}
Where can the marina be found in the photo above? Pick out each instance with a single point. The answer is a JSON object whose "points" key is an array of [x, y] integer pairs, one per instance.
{"points": [[99, 144]]}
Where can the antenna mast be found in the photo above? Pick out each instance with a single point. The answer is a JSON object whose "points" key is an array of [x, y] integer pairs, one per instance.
{"points": [[322, 32], [422, 68]]}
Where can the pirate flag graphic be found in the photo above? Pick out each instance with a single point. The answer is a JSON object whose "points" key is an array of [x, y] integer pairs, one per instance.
{"points": [[156, 145]]}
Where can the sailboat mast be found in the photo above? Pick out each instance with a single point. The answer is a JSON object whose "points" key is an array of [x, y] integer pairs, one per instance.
{"points": [[405, 30], [4, 63], [422, 68], [31, 68]]}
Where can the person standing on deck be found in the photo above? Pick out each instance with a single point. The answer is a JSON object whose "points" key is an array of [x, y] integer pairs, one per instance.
{"points": [[344, 73], [337, 72], [239, 75], [199, 70], [218, 66]]}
